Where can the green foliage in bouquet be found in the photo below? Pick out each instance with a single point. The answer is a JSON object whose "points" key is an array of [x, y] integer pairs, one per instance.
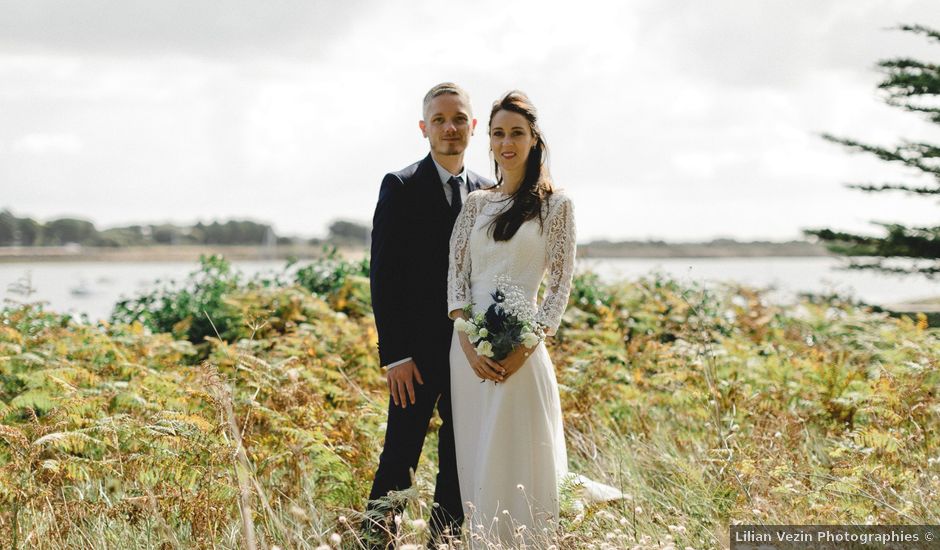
{"points": [[507, 323]]}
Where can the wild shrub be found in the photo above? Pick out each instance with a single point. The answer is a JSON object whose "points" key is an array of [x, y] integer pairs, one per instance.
{"points": [[193, 309], [704, 405], [215, 300]]}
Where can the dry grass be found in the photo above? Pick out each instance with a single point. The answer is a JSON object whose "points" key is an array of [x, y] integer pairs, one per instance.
{"points": [[704, 409]]}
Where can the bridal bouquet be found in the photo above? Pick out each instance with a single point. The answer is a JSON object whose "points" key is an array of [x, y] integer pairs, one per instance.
{"points": [[508, 323]]}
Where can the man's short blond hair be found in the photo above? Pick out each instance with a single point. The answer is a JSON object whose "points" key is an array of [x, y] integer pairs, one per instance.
{"points": [[441, 89]]}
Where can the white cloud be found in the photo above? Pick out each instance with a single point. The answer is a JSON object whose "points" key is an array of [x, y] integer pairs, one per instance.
{"points": [[671, 119], [45, 144]]}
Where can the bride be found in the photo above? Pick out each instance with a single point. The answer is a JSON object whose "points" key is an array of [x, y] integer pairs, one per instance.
{"points": [[508, 429]]}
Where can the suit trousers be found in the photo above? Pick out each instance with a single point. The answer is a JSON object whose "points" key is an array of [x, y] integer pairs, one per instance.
{"points": [[404, 438]]}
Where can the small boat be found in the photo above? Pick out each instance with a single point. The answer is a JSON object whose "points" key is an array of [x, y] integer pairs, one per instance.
{"points": [[82, 289]]}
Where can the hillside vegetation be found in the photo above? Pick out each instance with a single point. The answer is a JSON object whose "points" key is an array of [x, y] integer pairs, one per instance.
{"points": [[224, 413]]}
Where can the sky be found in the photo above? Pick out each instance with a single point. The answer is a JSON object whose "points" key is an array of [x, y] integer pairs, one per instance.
{"points": [[666, 119]]}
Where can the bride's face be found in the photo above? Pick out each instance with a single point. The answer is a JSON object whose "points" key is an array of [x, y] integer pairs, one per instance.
{"points": [[511, 140]]}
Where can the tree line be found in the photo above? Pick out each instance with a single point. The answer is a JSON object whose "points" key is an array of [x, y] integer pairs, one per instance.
{"points": [[17, 231]]}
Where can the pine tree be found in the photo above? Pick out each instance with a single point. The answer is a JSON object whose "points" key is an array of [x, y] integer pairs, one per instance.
{"points": [[915, 87]]}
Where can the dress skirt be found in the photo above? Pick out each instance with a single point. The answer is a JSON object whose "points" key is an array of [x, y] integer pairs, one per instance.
{"points": [[510, 448]]}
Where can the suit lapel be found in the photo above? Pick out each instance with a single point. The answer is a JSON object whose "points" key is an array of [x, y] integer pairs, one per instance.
{"points": [[474, 181], [431, 183], [479, 182], [434, 189]]}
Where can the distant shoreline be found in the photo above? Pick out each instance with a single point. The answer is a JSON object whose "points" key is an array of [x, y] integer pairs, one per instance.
{"points": [[714, 249], [597, 250], [169, 253]]}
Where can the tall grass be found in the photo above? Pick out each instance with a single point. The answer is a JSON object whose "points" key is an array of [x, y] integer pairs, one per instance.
{"points": [[262, 427]]}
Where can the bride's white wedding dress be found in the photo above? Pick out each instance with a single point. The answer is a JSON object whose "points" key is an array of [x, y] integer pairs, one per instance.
{"points": [[509, 436]]}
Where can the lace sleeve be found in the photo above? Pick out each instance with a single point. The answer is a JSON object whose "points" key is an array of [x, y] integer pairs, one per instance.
{"points": [[559, 256], [458, 272]]}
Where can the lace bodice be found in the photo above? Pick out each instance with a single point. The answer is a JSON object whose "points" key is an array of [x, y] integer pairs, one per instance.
{"points": [[476, 258]]}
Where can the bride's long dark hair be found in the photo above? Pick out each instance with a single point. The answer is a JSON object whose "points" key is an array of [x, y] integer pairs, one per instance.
{"points": [[536, 183]]}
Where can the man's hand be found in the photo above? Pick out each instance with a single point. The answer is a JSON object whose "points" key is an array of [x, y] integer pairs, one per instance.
{"points": [[516, 358], [484, 367], [400, 380]]}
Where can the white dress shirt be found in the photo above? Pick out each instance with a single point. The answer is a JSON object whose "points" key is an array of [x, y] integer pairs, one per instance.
{"points": [[445, 177]]}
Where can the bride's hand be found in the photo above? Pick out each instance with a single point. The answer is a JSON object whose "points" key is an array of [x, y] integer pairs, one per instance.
{"points": [[484, 367], [516, 358]]}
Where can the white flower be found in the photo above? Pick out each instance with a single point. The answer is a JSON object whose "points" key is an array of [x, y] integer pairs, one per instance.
{"points": [[515, 301], [484, 333], [485, 349], [468, 327], [529, 339]]}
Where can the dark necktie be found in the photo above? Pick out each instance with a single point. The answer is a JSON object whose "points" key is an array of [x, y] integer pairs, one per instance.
{"points": [[455, 201]]}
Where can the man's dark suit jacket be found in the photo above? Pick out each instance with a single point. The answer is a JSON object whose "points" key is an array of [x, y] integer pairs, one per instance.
{"points": [[410, 241]]}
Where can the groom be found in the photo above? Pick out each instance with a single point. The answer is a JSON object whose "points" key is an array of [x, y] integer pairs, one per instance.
{"points": [[411, 229]]}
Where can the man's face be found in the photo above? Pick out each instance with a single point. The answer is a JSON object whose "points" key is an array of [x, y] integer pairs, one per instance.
{"points": [[447, 125]]}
